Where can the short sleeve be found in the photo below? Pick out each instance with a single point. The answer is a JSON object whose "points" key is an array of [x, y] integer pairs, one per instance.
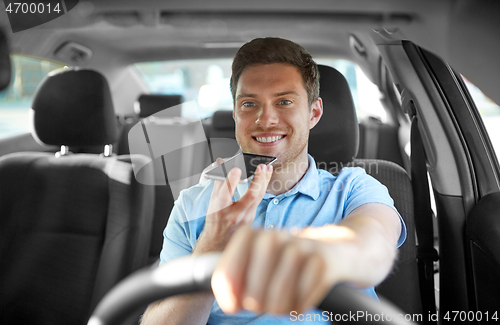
{"points": [[186, 222], [176, 241]]}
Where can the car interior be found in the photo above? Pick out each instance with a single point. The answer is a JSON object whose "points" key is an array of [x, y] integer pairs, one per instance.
{"points": [[86, 193]]}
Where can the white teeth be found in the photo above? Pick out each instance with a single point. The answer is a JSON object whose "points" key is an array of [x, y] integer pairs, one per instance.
{"points": [[270, 139]]}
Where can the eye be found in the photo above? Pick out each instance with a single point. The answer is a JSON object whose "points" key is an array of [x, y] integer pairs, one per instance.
{"points": [[284, 102], [248, 104]]}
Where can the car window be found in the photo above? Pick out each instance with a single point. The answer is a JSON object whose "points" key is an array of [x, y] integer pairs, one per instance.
{"points": [[365, 94], [490, 113], [207, 82], [15, 101]]}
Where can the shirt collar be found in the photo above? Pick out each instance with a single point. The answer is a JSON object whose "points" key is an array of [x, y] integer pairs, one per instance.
{"points": [[308, 185]]}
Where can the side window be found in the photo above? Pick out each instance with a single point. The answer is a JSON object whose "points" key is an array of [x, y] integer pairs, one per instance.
{"points": [[15, 101], [490, 113]]}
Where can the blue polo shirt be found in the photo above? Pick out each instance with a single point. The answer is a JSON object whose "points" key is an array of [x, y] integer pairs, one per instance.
{"points": [[318, 199]]}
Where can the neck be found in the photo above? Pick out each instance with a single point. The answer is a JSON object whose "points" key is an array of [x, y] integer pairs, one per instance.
{"points": [[288, 175]]}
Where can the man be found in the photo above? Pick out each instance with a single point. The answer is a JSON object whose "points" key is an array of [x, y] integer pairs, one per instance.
{"points": [[309, 229]]}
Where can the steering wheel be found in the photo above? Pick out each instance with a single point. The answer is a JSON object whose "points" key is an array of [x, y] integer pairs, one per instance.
{"points": [[193, 274]]}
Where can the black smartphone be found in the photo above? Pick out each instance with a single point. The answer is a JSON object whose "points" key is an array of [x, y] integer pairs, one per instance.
{"points": [[247, 162]]}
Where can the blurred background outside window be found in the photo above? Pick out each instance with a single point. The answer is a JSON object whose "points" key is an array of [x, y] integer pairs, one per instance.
{"points": [[207, 82]]}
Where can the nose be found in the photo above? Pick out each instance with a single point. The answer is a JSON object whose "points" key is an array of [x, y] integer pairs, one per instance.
{"points": [[267, 116]]}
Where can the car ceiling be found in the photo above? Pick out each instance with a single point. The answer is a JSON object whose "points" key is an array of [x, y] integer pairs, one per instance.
{"points": [[464, 32]]}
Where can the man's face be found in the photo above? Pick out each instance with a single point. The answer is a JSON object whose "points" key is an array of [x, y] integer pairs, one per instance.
{"points": [[272, 113]]}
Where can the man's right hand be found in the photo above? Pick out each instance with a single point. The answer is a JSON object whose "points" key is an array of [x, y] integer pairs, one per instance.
{"points": [[224, 216]]}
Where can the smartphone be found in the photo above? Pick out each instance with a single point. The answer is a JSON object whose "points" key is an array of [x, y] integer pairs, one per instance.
{"points": [[247, 162]]}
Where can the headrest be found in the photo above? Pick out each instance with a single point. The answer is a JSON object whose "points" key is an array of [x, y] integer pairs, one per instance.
{"points": [[335, 138], [5, 65], [223, 120], [74, 108], [151, 104]]}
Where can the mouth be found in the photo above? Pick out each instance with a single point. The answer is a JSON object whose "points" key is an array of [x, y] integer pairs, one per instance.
{"points": [[269, 140]]}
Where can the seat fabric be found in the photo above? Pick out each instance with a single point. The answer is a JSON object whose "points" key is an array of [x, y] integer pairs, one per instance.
{"points": [[67, 234], [334, 140], [164, 201], [221, 126], [158, 104], [71, 226], [379, 141], [401, 286]]}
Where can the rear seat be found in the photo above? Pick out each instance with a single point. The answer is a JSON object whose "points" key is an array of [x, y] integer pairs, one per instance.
{"points": [[378, 140], [220, 134], [179, 147], [220, 125], [146, 106]]}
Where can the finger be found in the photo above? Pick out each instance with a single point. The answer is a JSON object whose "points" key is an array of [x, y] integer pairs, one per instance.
{"points": [[229, 186], [257, 188], [223, 192], [228, 280], [261, 179], [311, 286], [249, 205], [282, 288], [263, 260], [217, 184], [219, 161]]}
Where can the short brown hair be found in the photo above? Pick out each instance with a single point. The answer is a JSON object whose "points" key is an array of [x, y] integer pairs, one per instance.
{"points": [[277, 50]]}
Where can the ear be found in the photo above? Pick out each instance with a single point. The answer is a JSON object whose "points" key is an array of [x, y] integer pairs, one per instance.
{"points": [[316, 112]]}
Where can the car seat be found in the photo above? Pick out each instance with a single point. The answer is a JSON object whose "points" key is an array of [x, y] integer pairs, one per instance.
{"points": [[333, 143], [379, 140], [145, 106], [148, 105], [162, 107], [71, 225], [221, 138]]}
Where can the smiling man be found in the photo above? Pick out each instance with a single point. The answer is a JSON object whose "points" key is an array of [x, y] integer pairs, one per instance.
{"points": [[273, 114], [295, 230]]}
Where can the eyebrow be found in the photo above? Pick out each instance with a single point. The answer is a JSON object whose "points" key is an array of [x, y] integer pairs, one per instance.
{"points": [[245, 95], [289, 92]]}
